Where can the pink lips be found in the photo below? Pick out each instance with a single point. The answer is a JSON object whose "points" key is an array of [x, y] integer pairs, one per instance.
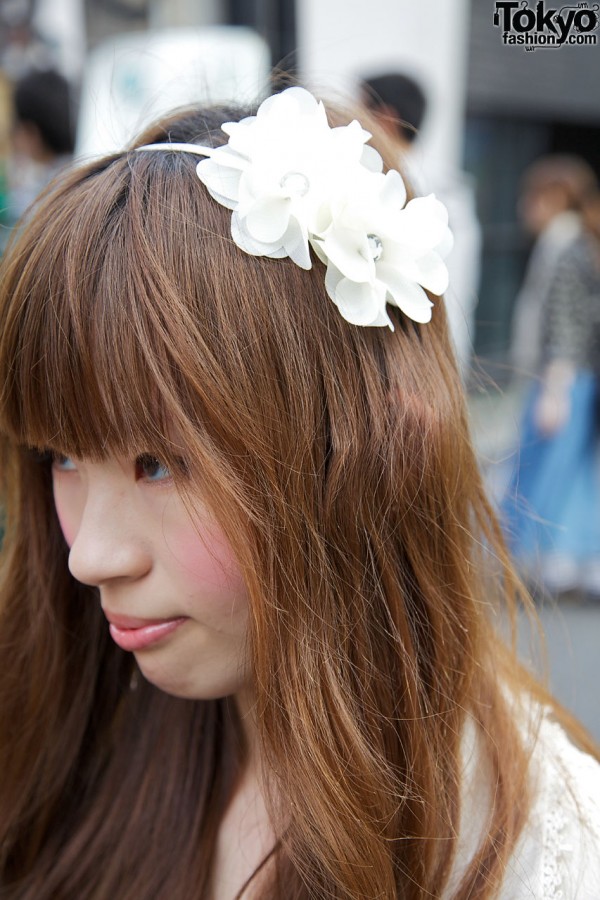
{"points": [[137, 634]]}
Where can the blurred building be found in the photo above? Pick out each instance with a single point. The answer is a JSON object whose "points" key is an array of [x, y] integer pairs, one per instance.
{"points": [[520, 105]]}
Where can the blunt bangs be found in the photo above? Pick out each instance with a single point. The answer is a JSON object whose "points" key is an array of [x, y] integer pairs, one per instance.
{"points": [[131, 323], [92, 316]]}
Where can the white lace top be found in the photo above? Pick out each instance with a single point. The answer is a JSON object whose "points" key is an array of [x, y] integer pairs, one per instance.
{"points": [[558, 855]]}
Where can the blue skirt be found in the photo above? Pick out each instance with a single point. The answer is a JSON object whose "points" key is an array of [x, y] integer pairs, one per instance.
{"points": [[551, 511]]}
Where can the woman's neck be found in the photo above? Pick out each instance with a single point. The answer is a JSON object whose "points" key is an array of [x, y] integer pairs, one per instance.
{"points": [[246, 835], [245, 703]]}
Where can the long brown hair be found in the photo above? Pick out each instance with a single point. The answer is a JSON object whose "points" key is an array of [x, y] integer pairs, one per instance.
{"points": [[339, 463]]}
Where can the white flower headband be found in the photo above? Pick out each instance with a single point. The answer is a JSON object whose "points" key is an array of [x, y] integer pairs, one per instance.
{"points": [[293, 182]]}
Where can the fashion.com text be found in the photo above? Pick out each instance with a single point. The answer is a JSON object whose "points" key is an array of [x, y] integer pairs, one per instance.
{"points": [[548, 40]]}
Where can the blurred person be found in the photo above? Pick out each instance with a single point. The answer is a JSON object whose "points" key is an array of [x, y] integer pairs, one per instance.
{"points": [[42, 135], [552, 507], [553, 190], [400, 104]]}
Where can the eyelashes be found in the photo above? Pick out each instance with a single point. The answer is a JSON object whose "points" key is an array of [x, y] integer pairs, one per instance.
{"points": [[151, 468], [63, 463], [49, 457], [147, 466], [154, 469]]}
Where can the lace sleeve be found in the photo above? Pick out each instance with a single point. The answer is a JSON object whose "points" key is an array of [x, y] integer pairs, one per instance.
{"points": [[559, 855], [572, 829]]}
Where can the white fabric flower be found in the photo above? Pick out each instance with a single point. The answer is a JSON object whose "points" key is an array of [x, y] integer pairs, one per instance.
{"points": [[278, 170], [293, 182], [379, 251]]}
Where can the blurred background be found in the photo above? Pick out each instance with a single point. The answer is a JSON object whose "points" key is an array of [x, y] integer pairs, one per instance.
{"points": [[81, 77]]}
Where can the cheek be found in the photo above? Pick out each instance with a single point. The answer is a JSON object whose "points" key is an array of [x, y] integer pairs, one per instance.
{"points": [[208, 561]]}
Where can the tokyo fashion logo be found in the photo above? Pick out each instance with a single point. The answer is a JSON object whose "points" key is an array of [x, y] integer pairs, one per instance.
{"points": [[546, 27]]}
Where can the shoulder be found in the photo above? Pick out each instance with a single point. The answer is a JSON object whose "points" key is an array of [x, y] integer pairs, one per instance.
{"points": [[558, 854], [579, 258]]}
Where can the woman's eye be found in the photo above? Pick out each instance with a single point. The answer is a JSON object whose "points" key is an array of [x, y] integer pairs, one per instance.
{"points": [[63, 463], [150, 468]]}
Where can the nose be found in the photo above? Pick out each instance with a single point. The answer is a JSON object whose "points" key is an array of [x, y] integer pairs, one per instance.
{"points": [[110, 543]]}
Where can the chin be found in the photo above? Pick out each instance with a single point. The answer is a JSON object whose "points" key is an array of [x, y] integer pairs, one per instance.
{"points": [[185, 687]]}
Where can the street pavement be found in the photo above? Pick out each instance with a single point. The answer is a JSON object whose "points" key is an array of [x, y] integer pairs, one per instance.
{"points": [[571, 629], [572, 637]]}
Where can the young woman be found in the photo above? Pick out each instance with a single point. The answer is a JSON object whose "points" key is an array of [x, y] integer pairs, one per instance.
{"points": [[552, 504], [251, 582]]}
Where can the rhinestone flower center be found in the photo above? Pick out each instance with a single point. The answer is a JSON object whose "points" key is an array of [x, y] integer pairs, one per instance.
{"points": [[295, 184], [375, 246]]}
